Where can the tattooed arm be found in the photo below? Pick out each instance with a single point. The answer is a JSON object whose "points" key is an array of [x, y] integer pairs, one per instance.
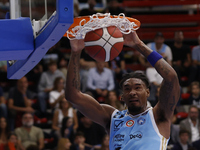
{"points": [[170, 89], [87, 105]]}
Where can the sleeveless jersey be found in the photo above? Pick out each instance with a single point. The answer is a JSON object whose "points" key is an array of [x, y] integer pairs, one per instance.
{"points": [[140, 132]]}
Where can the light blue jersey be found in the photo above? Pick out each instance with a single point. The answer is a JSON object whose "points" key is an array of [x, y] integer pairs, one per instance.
{"points": [[140, 132]]}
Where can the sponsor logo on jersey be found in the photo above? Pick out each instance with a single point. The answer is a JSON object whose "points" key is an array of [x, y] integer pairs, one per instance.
{"points": [[141, 121], [117, 124], [130, 123], [119, 137], [136, 136]]}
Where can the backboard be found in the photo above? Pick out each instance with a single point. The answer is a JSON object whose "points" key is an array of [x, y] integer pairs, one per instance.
{"points": [[30, 30]]}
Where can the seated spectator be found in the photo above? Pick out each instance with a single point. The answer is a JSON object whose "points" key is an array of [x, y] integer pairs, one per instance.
{"points": [[79, 142], [65, 110], [93, 132], [34, 77], [29, 134], [46, 84], [181, 63], [159, 46], [195, 68], [112, 99], [194, 98], [53, 54], [32, 147], [100, 80], [67, 130], [183, 144], [63, 66], [12, 142], [114, 8], [19, 101], [155, 81], [4, 131], [57, 94], [64, 144], [117, 65], [104, 144], [86, 62], [192, 124], [90, 10], [3, 107]]}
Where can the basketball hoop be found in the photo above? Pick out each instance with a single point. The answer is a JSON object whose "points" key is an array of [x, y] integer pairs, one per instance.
{"points": [[85, 24]]}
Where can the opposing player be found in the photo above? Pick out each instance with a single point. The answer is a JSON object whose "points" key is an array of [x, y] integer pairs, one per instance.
{"points": [[138, 127]]}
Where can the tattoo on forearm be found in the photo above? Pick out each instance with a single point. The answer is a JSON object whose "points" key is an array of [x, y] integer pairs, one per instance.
{"points": [[172, 104], [163, 67], [76, 79]]}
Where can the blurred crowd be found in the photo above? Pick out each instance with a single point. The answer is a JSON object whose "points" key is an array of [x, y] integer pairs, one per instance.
{"points": [[35, 115]]}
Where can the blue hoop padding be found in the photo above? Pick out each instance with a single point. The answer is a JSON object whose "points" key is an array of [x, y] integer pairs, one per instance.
{"points": [[16, 39], [52, 33]]}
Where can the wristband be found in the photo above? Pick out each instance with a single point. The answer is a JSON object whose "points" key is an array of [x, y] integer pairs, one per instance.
{"points": [[153, 58]]}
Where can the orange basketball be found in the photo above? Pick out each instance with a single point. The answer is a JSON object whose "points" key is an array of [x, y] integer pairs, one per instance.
{"points": [[104, 44]]}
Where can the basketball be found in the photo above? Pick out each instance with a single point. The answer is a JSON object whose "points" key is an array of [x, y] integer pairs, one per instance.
{"points": [[104, 44]]}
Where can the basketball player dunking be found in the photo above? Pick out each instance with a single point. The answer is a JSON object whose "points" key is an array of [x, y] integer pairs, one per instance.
{"points": [[138, 127]]}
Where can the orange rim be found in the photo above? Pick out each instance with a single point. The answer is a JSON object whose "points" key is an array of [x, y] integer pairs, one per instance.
{"points": [[87, 18]]}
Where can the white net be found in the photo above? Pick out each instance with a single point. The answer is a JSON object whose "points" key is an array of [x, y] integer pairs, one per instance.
{"points": [[95, 22]]}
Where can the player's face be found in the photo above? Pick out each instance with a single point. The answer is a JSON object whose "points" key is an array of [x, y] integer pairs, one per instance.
{"points": [[135, 95]]}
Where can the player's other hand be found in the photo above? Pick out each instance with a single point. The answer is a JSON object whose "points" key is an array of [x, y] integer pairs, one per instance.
{"points": [[77, 45], [131, 39]]}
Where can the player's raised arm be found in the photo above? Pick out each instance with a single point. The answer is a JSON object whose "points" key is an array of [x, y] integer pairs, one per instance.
{"points": [[87, 105], [170, 89]]}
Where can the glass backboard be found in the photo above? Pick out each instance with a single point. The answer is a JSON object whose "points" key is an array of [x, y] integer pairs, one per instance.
{"points": [[33, 27]]}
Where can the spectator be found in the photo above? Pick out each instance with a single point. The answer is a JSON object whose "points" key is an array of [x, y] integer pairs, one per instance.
{"points": [[93, 132], [79, 142], [105, 143], [90, 10], [181, 63], [57, 94], [76, 8], [196, 144], [195, 68], [100, 80], [86, 62], [53, 54], [46, 84], [67, 130], [29, 134], [155, 81], [32, 147], [64, 144], [159, 46], [65, 110], [12, 142], [112, 99], [3, 70], [19, 101], [3, 107], [4, 7], [192, 124], [63, 66], [183, 144], [117, 65], [195, 94], [114, 8], [4, 131], [34, 76]]}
